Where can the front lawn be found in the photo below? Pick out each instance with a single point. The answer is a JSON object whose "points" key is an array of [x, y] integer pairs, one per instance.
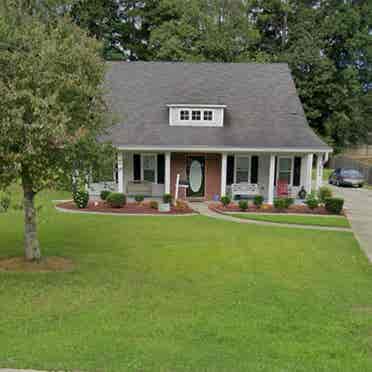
{"points": [[331, 221], [185, 294]]}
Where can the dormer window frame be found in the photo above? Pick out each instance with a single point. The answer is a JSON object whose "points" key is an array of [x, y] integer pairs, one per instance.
{"points": [[196, 115]]}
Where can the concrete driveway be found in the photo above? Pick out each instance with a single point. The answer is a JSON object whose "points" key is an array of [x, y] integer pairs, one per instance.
{"points": [[359, 210]]}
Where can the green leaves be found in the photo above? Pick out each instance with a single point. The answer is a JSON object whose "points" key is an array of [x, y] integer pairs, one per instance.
{"points": [[51, 98]]}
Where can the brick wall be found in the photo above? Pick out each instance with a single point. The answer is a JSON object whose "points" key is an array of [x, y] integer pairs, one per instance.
{"points": [[212, 175], [178, 165], [212, 172]]}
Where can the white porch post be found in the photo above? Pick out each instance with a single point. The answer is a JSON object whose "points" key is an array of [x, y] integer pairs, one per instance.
{"points": [[120, 172], [270, 191], [167, 175], [308, 172], [223, 174], [319, 171]]}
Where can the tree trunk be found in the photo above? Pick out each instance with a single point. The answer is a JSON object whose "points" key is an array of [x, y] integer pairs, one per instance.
{"points": [[32, 248]]}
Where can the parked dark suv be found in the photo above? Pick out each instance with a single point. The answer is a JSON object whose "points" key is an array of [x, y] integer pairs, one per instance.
{"points": [[346, 177]]}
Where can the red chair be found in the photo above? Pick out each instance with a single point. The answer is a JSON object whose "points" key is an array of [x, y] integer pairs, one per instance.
{"points": [[282, 188]]}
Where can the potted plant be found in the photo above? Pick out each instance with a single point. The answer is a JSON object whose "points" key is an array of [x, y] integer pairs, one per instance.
{"points": [[166, 205]]}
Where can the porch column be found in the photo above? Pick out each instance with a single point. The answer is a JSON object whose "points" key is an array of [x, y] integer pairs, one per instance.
{"points": [[120, 172], [167, 173], [308, 172], [270, 191], [223, 174], [319, 171]]}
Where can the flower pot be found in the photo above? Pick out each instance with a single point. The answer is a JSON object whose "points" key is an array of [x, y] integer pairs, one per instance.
{"points": [[164, 207]]}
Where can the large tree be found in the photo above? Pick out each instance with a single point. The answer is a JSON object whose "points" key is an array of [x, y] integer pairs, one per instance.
{"points": [[51, 100], [102, 20]]}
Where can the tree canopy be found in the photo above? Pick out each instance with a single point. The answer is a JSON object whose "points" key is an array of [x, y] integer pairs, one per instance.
{"points": [[52, 106], [327, 44]]}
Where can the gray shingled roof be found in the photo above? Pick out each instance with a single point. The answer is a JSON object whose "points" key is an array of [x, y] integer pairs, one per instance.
{"points": [[263, 109]]}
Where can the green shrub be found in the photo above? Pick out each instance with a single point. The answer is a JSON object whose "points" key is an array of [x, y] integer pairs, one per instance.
{"points": [[104, 194], [81, 198], [139, 198], [312, 201], [116, 200], [167, 198], [4, 202], [288, 202], [283, 203], [324, 193], [279, 203], [334, 205], [258, 201], [225, 200], [243, 205], [154, 204]]}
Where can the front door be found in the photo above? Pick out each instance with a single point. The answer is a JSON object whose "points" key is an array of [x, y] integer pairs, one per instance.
{"points": [[195, 176]]}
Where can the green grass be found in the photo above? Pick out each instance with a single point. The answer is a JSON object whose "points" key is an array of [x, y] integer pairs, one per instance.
{"points": [[326, 173], [185, 294], [300, 220]]}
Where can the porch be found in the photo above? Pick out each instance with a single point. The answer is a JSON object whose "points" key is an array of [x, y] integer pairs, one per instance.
{"points": [[210, 175]]}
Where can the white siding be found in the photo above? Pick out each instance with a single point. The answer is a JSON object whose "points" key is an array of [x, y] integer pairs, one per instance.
{"points": [[218, 113]]}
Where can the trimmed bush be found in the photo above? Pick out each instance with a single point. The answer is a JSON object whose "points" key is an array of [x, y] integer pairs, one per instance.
{"points": [[289, 202], [139, 198], [180, 204], [104, 194], [324, 193], [283, 203], [154, 204], [312, 201], [116, 200], [167, 198], [81, 198], [243, 205], [334, 205], [225, 200], [279, 203], [4, 202], [258, 201]]}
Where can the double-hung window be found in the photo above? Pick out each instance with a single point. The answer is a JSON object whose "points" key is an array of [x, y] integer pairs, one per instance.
{"points": [[149, 167], [242, 169]]}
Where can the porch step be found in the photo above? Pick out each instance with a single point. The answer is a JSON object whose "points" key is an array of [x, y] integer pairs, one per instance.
{"points": [[195, 200]]}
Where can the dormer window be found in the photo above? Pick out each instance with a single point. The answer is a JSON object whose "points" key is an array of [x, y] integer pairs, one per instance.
{"points": [[208, 115], [196, 115], [184, 115]]}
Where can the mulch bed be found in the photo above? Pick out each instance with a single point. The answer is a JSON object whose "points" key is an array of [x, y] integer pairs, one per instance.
{"points": [[47, 264], [129, 208], [300, 209]]}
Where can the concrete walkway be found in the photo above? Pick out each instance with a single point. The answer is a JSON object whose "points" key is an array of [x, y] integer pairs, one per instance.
{"points": [[203, 209], [358, 203]]}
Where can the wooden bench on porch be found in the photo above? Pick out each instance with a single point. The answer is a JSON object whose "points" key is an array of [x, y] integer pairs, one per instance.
{"points": [[244, 189]]}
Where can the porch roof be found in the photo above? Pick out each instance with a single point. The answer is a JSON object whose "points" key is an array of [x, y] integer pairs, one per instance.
{"points": [[262, 107]]}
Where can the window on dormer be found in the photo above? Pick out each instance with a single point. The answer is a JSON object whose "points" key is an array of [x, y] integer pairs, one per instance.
{"points": [[208, 115], [195, 115], [184, 115]]}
